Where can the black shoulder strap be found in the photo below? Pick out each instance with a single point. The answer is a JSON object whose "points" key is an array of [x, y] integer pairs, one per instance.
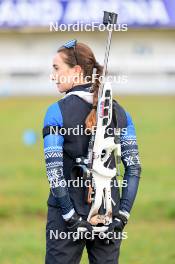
{"points": [[51, 130], [114, 115]]}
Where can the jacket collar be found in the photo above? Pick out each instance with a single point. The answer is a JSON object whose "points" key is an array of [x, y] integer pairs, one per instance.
{"points": [[83, 87]]}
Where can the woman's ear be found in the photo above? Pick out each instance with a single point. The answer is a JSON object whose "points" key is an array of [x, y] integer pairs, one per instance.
{"points": [[77, 69]]}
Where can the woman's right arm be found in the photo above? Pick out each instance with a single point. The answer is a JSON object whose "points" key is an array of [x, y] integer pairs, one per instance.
{"points": [[53, 150]]}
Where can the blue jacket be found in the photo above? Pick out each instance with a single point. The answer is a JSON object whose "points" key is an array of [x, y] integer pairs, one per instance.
{"points": [[62, 149]]}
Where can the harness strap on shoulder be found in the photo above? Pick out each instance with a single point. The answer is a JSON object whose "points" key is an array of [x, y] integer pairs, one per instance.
{"points": [[114, 115], [51, 130]]}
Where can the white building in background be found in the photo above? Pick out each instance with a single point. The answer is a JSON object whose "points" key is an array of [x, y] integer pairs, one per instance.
{"points": [[142, 60]]}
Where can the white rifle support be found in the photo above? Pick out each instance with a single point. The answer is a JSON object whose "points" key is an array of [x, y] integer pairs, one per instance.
{"points": [[102, 150], [103, 147]]}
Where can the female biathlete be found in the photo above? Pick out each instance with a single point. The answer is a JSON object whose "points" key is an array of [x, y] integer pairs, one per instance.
{"points": [[67, 204]]}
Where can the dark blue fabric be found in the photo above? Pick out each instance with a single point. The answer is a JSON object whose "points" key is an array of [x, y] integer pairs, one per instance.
{"points": [[68, 251], [74, 111]]}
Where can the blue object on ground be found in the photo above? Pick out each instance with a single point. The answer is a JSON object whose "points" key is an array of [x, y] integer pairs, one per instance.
{"points": [[29, 137]]}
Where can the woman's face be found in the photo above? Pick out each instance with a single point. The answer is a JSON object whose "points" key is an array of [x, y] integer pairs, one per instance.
{"points": [[63, 74]]}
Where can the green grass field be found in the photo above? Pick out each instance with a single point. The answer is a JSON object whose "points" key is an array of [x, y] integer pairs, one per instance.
{"points": [[24, 187]]}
